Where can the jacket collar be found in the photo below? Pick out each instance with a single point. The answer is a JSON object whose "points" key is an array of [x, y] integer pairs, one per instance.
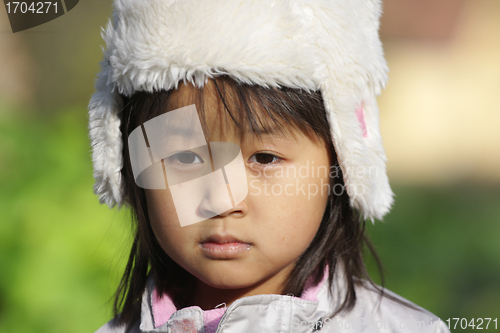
{"points": [[258, 313]]}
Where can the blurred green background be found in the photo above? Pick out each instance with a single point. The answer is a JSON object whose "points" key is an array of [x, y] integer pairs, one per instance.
{"points": [[61, 253]]}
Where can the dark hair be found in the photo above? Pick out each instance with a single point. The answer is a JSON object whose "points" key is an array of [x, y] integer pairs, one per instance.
{"points": [[340, 238]]}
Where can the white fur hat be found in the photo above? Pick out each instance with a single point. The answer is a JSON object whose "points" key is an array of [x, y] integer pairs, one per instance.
{"points": [[327, 45]]}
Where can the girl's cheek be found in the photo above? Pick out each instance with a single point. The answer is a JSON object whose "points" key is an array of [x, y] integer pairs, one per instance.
{"points": [[291, 183], [161, 209]]}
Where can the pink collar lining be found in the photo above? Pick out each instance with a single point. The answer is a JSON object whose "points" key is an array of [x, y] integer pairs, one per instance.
{"points": [[164, 307]]}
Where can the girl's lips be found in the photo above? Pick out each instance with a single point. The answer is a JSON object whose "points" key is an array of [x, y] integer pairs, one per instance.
{"points": [[229, 250]]}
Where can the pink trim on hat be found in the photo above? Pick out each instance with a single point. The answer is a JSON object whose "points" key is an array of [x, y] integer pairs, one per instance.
{"points": [[360, 113]]}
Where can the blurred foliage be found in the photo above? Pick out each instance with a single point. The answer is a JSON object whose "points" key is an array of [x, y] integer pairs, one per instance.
{"points": [[440, 249], [61, 253]]}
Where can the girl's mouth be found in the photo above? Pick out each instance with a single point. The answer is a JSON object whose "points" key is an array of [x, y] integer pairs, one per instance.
{"points": [[223, 247]]}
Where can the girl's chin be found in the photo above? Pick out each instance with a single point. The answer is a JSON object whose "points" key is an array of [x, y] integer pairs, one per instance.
{"points": [[229, 281], [229, 278]]}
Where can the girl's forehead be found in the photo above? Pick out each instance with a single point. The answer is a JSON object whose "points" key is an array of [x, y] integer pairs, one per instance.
{"points": [[224, 117]]}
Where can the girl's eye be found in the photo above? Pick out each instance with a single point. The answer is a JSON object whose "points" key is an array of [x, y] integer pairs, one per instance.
{"points": [[186, 158], [264, 158]]}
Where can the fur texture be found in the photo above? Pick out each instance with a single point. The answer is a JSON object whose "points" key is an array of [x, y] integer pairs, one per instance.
{"points": [[327, 45]]}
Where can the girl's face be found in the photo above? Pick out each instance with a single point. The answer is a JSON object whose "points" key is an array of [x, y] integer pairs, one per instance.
{"points": [[266, 232]]}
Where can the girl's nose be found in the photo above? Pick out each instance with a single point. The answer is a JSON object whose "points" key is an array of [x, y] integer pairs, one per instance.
{"points": [[217, 205], [238, 210]]}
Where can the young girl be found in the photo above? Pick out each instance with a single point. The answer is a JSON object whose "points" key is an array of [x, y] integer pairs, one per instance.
{"points": [[244, 136]]}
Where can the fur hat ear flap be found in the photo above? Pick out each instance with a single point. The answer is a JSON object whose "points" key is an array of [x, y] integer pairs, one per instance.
{"points": [[360, 153], [356, 72], [381, 198], [105, 139]]}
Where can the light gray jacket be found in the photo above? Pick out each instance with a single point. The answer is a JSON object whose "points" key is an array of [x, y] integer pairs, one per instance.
{"points": [[284, 314]]}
